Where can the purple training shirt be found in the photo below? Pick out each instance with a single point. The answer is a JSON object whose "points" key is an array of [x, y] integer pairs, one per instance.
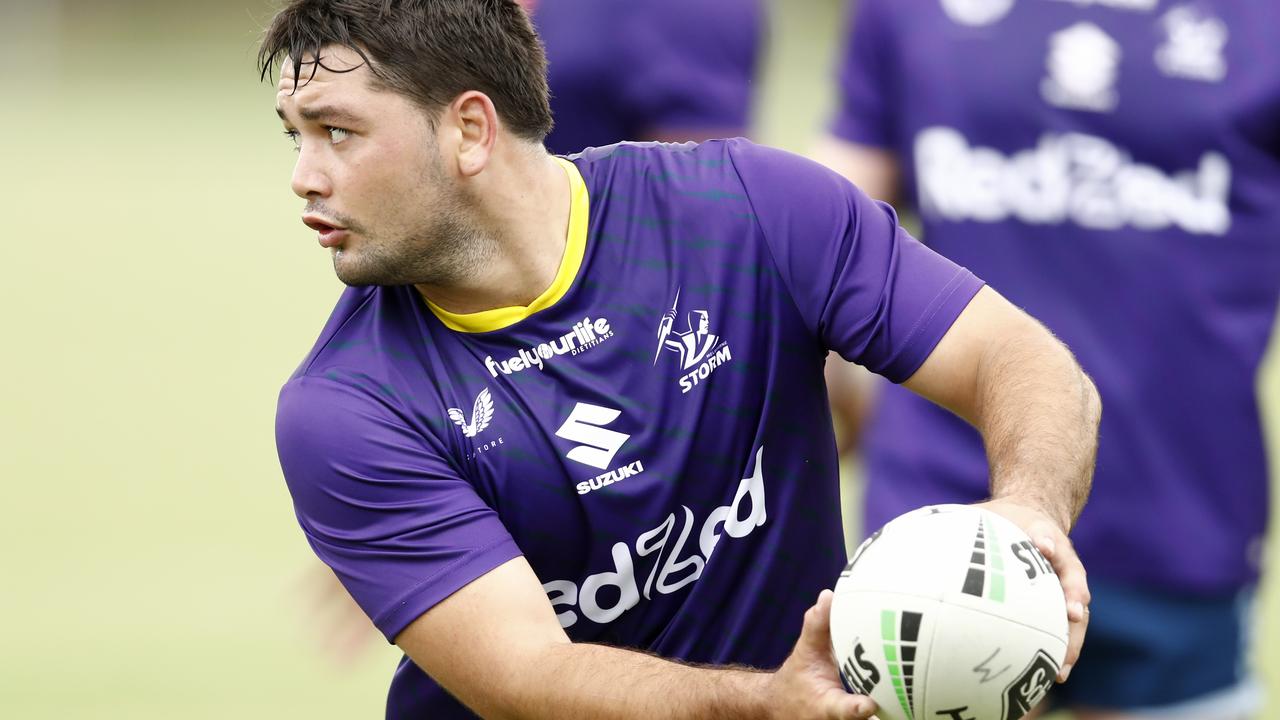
{"points": [[1112, 166], [625, 69], [655, 439]]}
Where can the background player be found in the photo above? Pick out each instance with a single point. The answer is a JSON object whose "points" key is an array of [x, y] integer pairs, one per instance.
{"points": [[1114, 168], [671, 70], [476, 245]]}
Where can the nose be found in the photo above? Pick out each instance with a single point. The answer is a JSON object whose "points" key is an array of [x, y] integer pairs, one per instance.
{"points": [[309, 176]]}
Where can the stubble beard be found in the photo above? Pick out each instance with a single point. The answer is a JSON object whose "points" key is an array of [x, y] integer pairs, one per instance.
{"points": [[445, 249]]}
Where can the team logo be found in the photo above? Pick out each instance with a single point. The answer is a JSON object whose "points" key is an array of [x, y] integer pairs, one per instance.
{"points": [[597, 445], [1031, 686], [700, 351], [584, 335], [1083, 63], [976, 12], [1193, 45], [481, 415]]}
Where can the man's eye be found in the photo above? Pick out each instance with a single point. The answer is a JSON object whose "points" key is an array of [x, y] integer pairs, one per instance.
{"points": [[293, 138], [337, 135]]}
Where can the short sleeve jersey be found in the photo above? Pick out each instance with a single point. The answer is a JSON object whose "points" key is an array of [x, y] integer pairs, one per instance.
{"points": [[626, 69], [1112, 166], [651, 434]]}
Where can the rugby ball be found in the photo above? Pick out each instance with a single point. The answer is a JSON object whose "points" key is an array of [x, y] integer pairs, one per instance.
{"points": [[949, 612]]}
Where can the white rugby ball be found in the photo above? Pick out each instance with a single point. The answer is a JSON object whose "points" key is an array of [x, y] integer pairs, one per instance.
{"points": [[949, 612]]}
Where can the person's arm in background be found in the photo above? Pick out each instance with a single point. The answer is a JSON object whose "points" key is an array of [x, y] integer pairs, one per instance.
{"points": [[857, 144]]}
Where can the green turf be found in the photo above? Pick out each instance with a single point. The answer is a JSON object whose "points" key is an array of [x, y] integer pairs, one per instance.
{"points": [[159, 288]]}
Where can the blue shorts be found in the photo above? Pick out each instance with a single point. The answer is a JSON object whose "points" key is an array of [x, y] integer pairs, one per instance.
{"points": [[1167, 655]]}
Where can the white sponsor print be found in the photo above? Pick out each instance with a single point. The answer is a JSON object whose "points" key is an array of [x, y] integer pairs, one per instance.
{"points": [[1068, 178], [1193, 45], [1136, 5], [665, 544], [976, 12], [598, 447], [481, 415], [1082, 64], [584, 335], [700, 351], [585, 425]]}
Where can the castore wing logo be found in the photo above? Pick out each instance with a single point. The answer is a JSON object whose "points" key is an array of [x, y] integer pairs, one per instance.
{"points": [[481, 415]]}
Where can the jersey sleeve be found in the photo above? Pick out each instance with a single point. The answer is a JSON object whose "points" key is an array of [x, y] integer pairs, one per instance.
{"points": [[865, 85], [691, 66], [863, 286], [398, 525]]}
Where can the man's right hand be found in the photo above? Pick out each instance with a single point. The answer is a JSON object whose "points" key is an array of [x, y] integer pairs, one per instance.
{"points": [[809, 680]]}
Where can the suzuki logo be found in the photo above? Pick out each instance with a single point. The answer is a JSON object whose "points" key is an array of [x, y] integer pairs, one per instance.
{"points": [[585, 426]]}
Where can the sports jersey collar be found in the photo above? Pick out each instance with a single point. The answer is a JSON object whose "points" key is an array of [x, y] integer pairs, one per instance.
{"points": [[574, 249]]}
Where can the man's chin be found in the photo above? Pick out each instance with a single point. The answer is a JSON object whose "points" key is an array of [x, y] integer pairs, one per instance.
{"points": [[354, 273]]}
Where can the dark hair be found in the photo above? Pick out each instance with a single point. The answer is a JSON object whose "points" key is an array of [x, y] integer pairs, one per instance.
{"points": [[427, 50]]}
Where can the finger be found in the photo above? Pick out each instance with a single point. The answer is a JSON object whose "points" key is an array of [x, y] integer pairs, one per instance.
{"points": [[1075, 591], [1075, 642], [815, 635], [840, 705]]}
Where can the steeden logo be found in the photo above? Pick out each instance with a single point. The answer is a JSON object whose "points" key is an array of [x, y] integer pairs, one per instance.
{"points": [[481, 415], [700, 351]]}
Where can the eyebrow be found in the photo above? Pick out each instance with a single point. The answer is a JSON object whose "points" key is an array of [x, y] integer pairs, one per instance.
{"points": [[324, 113]]}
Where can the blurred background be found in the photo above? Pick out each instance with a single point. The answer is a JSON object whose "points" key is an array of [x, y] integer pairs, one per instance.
{"points": [[163, 289]]}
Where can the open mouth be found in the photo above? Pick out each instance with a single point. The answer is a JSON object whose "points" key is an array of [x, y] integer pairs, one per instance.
{"points": [[319, 225], [330, 235]]}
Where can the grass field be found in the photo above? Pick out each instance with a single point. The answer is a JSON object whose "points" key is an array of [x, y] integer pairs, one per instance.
{"points": [[159, 290]]}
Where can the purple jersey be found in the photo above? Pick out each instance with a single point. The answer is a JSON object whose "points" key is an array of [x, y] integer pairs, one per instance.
{"points": [[625, 69], [1112, 166], [652, 433]]}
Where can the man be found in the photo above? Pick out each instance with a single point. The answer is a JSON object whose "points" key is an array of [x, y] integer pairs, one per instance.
{"points": [[671, 70], [482, 447], [1114, 168]]}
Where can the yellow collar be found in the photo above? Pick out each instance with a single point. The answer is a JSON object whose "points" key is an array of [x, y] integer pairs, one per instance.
{"points": [[574, 249]]}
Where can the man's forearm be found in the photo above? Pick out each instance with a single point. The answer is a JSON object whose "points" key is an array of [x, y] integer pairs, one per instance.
{"points": [[576, 680], [1038, 413]]}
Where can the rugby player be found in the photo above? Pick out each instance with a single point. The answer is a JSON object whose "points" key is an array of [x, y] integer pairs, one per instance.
{"points": [[565, 438]]}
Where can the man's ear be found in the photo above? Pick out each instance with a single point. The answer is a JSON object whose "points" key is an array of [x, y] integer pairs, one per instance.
{"points": [[475, 121]]}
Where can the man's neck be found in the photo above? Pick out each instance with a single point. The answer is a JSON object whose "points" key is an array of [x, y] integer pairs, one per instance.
{"points": [[525, 206]]}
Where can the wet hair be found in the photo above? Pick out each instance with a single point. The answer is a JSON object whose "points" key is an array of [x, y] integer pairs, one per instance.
{"points": [[430, 51]]}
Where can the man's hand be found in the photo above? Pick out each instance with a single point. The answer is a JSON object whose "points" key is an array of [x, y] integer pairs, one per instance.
{"points": [[808, 683], [1054, 544]]}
